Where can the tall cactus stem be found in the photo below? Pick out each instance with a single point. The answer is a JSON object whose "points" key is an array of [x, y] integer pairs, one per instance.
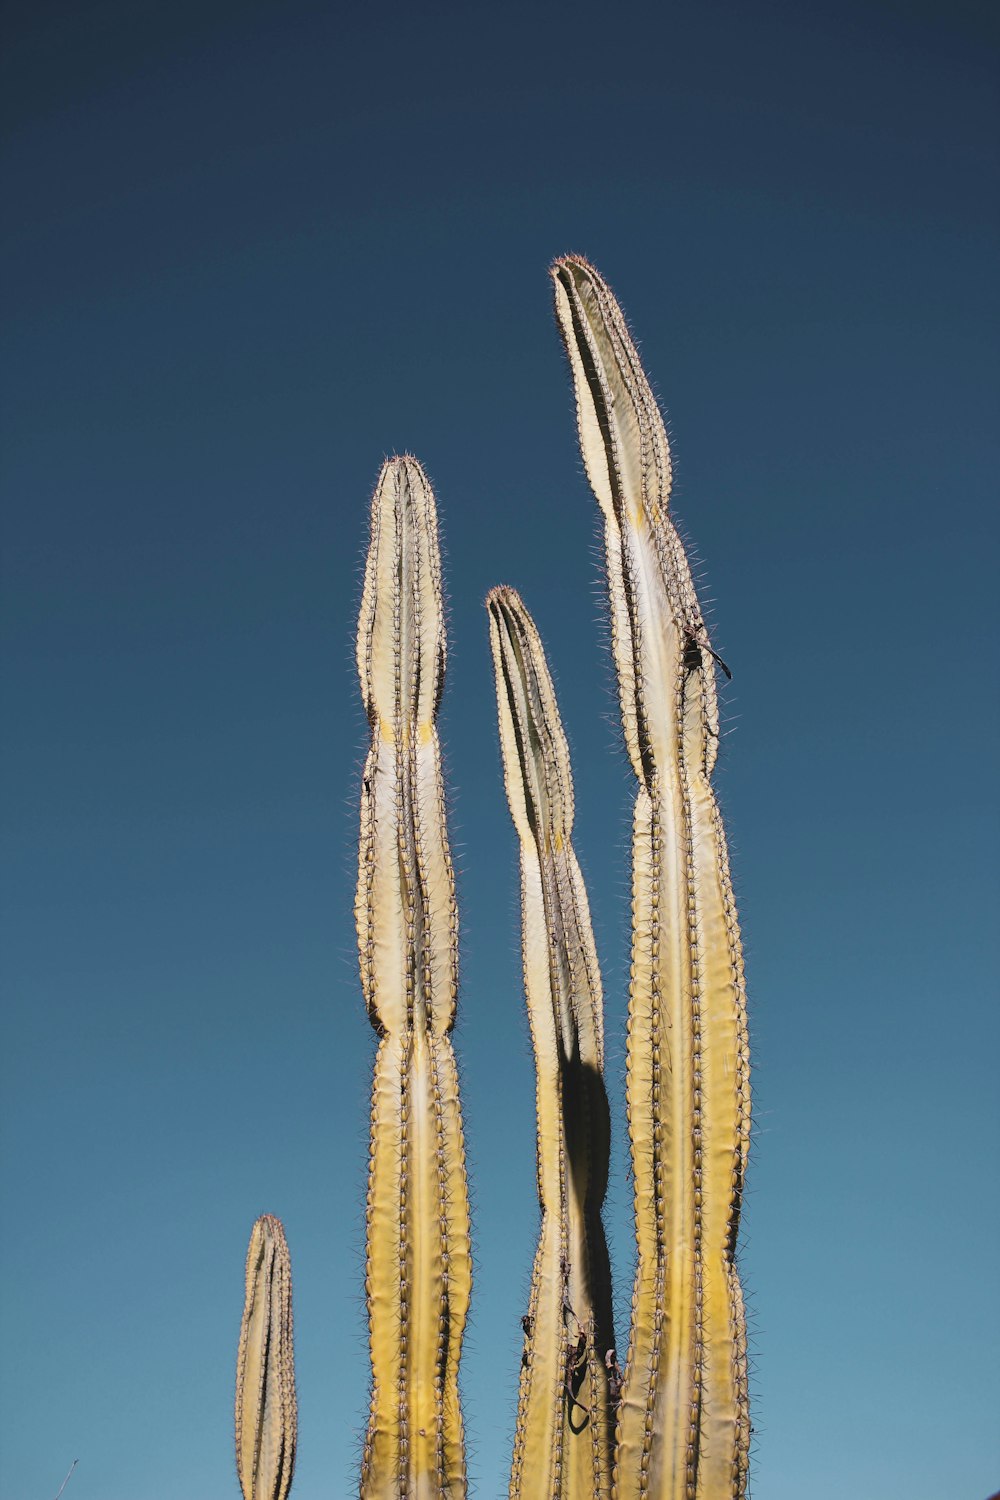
{"points": [[418, 1260], [266, 1414], [683, 1425], [563, 1442]]}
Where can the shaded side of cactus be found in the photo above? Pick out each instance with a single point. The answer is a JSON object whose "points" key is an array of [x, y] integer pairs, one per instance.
{"points": [[683, 1429], [563, 1442], [418, 1266], [266, 1413]]}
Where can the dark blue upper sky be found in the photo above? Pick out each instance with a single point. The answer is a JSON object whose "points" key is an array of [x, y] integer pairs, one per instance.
{"points": [[251, 248]]}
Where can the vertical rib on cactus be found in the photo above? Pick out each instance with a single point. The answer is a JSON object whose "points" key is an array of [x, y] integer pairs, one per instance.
{"points": [[418, 1258], [683, 1428], [265, 1370], [565, 1419]]}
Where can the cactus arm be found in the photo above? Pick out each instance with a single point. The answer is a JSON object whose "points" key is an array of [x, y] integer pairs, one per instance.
{"points": [[418, 1266], [564, 1434], [266, 1423], [683, 1428]]}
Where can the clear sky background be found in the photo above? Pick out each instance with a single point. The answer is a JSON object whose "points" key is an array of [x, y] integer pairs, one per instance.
{"points": [[250, 249]]}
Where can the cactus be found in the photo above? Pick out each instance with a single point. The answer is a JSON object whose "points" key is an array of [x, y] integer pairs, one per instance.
{"points": [[265, 1369], [418, 1256], [676, 1425], [565, 1417], [683, 1423]]}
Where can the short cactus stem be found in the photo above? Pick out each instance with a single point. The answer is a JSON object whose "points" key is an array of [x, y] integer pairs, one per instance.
{"points": [[683, 1424], [565, 1420], [266, 1422], [418, 1261]]}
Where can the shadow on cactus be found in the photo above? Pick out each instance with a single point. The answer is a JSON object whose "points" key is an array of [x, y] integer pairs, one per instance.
{"points": [[675, 1424]]}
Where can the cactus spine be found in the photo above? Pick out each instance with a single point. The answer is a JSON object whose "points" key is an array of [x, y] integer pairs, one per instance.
{"points": [[418, 1256], [265, 1370], [683, 1424], [565, 1419]]}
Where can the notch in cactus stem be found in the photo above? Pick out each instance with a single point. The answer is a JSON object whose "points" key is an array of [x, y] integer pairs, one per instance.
{"points": [[418, 1260], [565, 1419], [266, 1420], [683, 1423]]}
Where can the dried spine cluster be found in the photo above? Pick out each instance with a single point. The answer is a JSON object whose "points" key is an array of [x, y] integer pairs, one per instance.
{"points": [[265, 1374], [565, 1418], [683, 1424], [418, 1257]]}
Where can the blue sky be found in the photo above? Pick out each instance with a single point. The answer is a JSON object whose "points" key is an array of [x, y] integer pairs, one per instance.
{"points": [[250, 249]]}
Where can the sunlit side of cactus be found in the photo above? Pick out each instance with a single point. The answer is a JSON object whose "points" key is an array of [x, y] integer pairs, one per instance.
{"points": [[683, 1427], [565, 1421], [266, 1421], [418, 1256]]}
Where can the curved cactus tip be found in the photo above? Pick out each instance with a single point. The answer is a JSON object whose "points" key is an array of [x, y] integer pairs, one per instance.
{"points": [[501, 594], [399, 470], [572, 260], [573, 271], [266, 1411], [401, 644], [403, 461]]}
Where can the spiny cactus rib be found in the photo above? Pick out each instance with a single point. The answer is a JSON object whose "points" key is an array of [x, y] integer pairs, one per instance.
{"points": [[683, 1427], [418, 1256], [565, 1419], [266, 1422]]}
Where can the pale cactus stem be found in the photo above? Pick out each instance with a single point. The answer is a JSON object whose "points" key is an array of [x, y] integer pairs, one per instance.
{"points": [[418, 1266], [683, 1426], [266, 1422], [563, 1445]]}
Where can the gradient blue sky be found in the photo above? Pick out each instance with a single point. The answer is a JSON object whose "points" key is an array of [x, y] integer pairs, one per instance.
{"points": [[251, 248]]}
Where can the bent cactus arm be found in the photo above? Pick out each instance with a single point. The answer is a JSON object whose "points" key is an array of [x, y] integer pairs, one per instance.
{"points": [[565, 1420], [266, 1417], [418, 1253], [683, 1428]]}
